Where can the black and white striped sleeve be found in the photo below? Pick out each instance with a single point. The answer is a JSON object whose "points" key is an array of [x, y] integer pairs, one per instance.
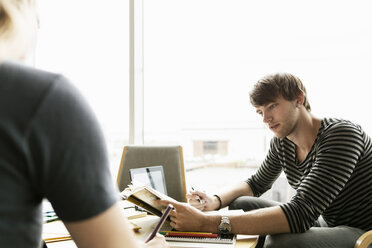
{"points": [[335, 158], [267, 173]]}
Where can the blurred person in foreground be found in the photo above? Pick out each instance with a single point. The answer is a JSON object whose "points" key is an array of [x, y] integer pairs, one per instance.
{"points": [[52, 147], [327, 161]]}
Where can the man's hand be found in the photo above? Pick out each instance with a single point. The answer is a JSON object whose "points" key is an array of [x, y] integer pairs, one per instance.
{"points": [[200, 200], [185, 217], [109, 229]]}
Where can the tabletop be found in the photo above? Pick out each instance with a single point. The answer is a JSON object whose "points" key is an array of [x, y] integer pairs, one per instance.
{"points": [[146, 223]]}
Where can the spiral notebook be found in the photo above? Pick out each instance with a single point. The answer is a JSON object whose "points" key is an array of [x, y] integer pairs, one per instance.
{"points": [[205, 240], [220, 239], [177, 242]]}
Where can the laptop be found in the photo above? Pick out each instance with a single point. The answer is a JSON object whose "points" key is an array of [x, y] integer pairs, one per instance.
{"points": [[152, 176]]}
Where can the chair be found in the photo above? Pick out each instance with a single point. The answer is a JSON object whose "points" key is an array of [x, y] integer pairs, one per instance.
{"points": [[364, 241], [170, 157]]}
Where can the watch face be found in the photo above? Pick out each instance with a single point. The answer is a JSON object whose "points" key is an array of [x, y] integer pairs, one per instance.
{"points": [[225, 226]]}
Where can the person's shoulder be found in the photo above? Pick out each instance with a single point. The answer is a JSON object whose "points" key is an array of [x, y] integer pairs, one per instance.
{"points": [[338, 123], [340, 126], [17, 71], [36, 81]]}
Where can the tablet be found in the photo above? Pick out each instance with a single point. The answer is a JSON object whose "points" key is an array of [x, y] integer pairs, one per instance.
{"points": [[152, 176]]}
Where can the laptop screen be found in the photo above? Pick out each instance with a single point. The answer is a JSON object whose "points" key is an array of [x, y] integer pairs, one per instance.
{"points": [[152, 176]]}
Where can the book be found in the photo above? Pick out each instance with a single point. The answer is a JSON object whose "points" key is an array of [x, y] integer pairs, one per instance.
{"points": [[177, 244], [202, 239], [144, 196], [199, 237]]}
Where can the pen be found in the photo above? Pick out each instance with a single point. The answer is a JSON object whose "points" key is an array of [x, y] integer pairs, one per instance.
{"points": [[160, 223], [52, 218], [199, 200]]}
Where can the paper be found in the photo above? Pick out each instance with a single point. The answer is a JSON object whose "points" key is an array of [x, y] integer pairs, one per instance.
{"points": [[243, 236], [132, 213], [55, 231]]}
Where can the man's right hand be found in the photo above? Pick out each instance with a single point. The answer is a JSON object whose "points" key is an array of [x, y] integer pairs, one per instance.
{"points": [[200, 200]]}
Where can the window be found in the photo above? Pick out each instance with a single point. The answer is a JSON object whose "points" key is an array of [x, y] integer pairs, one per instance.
{"points": [[205, 148], [210, 147], [88, 42], [201, 57]]}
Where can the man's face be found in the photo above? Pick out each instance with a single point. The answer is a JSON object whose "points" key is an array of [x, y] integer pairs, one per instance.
{"points": [[280, 116]]}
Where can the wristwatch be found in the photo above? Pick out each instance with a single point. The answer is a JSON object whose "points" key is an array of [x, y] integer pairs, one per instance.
{"points": [[225, 226]]}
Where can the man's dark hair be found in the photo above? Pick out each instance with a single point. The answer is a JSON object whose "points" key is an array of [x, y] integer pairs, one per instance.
{"points": [[270, 87]]}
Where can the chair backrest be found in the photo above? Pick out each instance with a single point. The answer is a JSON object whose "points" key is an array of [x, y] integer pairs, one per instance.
{"points": [[365, 240], [170, 157]]}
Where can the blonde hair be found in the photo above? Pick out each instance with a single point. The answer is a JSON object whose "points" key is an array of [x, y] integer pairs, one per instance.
{"points": [[18, 23]]}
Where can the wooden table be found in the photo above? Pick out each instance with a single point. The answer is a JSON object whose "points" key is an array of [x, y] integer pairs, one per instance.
{"points": [[147, 223]]}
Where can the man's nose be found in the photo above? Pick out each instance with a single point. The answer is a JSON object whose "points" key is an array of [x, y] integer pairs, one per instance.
{"points": [[266, 118]]}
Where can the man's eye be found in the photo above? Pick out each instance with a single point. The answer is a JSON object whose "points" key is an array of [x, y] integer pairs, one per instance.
{"points": [[272, 106]]}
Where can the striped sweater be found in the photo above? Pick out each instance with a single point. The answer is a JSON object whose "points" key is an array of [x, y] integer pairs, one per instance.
{"points": [[334, 180]]}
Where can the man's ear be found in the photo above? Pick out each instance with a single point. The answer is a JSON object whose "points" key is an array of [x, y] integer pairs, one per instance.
{"points": [[300, 99]]}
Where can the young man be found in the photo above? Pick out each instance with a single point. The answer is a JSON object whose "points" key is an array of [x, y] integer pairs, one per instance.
{"points": [[328, 162]]}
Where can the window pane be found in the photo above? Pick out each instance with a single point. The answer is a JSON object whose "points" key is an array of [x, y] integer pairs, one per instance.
{"points": [[88, 42], [202, 57]]}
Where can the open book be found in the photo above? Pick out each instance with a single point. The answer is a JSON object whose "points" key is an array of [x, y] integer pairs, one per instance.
{"points": [[144, 196]]}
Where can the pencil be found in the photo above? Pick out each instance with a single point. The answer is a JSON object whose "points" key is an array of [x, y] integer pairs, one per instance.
{"points": [[184, 232]]}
